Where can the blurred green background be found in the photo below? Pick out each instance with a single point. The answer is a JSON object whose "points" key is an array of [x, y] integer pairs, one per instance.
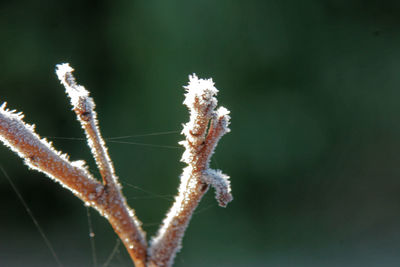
{"points": [[314, 91]]}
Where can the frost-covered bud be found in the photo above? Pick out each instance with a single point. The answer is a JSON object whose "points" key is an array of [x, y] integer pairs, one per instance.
{"points": [[221, 184], [200, 95]]}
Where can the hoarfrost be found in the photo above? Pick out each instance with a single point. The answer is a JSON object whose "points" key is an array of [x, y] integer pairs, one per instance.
{"points": [[220, 182], [74, 91]]}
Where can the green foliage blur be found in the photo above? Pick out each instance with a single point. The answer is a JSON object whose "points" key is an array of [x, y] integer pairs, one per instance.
{"points": [[314, 91]]}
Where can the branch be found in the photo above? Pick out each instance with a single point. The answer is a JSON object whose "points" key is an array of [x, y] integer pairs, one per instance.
{"points": [[116, 210], [203, 131], [39, 154], [197, 176], [83, 106]]}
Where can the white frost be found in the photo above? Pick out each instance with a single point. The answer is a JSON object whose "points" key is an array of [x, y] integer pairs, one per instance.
{"points": [[221, 184], [74, 91]]}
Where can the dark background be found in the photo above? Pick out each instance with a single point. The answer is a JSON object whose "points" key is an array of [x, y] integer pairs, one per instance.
{"points": [[314, 91]]}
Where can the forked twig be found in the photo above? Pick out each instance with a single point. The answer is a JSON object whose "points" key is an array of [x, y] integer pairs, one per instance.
{"points": [[197, 176], [203, 131]]}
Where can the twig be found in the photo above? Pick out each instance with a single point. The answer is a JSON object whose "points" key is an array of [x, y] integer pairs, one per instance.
{"points": [[116, 210], [203, 131], [197, 176]]}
